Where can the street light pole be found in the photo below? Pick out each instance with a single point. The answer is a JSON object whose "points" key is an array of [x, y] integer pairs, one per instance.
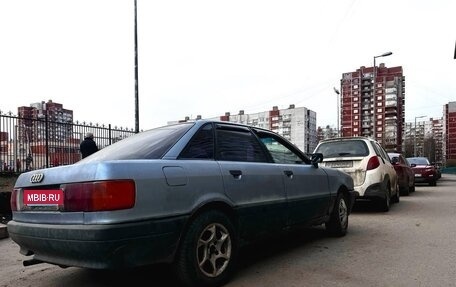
{"points": [[338, 110], [374, 74], [414, 136], [136, 75]]}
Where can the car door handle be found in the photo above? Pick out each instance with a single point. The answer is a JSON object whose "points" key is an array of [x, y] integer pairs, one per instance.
{"points": [[288, 173], [236, 173]]}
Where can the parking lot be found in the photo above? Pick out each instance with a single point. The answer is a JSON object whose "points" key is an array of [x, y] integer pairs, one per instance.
{"points": [[411, 245]]}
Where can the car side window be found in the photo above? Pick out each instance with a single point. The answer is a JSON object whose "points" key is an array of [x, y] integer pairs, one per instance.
{"points": [[381, 152], [280, 153], [201, 146], [234, 144]]}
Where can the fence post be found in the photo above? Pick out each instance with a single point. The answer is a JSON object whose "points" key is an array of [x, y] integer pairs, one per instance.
{"points": [[110, 134], [47, 139]]}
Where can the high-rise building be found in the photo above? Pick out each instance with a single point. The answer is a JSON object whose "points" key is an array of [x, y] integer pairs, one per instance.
{"points": [[449, 118], [372, 105], [424, 138], [32, 121]]}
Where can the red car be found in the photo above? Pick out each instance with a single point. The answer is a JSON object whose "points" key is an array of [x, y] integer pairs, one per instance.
{"points": [[425, 172], [405, 173]]}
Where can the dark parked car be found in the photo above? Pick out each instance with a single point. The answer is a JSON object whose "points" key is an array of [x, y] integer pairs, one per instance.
{"points": [[405, 174], [186, 194], [425, 172]]}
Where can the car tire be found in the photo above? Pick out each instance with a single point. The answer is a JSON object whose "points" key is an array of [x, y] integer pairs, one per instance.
{"points": [[208, 251], [406, 190], [385, 203], [338, 222], [397, 197]]}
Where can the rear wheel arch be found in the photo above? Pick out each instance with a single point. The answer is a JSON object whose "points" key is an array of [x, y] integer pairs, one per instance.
{"points": [[221, 206], [211, 216]]}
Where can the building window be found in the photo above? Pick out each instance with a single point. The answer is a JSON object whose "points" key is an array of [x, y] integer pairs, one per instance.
{"points": [[356, 117], [355, 99], [379, 116], [355, 111], [355, 129], [355, 105], [355, 87], [379, 98], [379, 110], [379, 104], [379, 123]]}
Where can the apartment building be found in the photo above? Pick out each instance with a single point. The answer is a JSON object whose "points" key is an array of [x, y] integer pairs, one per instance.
{"points": [[32, 125], [449, 126], [425, 138], [372, 104]]}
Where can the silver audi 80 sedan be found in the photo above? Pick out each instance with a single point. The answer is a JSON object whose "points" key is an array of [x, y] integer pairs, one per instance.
{"points": [[186, 194]]}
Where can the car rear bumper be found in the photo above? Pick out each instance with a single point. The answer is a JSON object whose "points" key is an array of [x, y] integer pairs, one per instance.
{"points": [[107, 246], [373, 191]]}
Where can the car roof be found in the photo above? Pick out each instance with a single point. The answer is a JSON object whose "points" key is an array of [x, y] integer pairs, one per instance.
{"points": [[347, 138], [205, 121]]}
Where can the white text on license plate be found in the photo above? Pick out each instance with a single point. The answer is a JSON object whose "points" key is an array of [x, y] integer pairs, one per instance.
{"points": [[35, 197]]}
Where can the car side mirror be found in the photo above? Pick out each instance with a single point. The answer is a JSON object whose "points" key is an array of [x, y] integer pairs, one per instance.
{"points": [[395, 160], [316, 158]]}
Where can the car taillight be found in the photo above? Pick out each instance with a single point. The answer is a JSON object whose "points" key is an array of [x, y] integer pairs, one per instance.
{"points": [[13, 200], [373, 163], [99, 195]]}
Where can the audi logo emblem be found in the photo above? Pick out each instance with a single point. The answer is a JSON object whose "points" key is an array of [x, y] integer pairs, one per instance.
{"points": [[37, 178]]}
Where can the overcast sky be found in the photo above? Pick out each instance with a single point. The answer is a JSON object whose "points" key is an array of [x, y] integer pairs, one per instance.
{"points": [[211, 57]]}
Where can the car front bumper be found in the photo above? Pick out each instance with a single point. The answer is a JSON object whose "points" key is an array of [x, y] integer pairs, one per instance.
{"points": [[425, 179], [104, 246]]}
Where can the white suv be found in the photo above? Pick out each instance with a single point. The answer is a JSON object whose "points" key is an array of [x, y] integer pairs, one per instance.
{"points": [[368, 164]]}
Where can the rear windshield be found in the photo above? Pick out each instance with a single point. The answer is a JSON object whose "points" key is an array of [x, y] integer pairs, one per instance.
{"points": [[343, 149], [418, 160], [151, 144]]}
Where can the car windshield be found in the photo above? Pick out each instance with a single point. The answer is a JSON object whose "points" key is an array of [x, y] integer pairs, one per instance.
{"points": [[151, 144], [418, 160], [343, 149]]}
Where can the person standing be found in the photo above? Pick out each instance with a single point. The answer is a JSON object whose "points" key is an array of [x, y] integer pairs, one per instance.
{"points": [[18, 165], [28, 162], [88, 145]]}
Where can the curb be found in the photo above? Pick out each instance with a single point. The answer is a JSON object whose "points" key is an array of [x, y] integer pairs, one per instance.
{"points": [[3, 231]]}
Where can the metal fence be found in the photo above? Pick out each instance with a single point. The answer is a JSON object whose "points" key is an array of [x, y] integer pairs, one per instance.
{"points": [[27, 144]]}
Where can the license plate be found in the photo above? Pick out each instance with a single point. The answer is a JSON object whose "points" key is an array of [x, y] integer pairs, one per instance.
{"points": [[339, 164], [417, 175], [43, 197]]}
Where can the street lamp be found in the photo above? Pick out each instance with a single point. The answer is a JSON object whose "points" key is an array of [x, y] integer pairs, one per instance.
{"points": [[338, 110], [373, 91], [414, 136], [136, 75]]}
